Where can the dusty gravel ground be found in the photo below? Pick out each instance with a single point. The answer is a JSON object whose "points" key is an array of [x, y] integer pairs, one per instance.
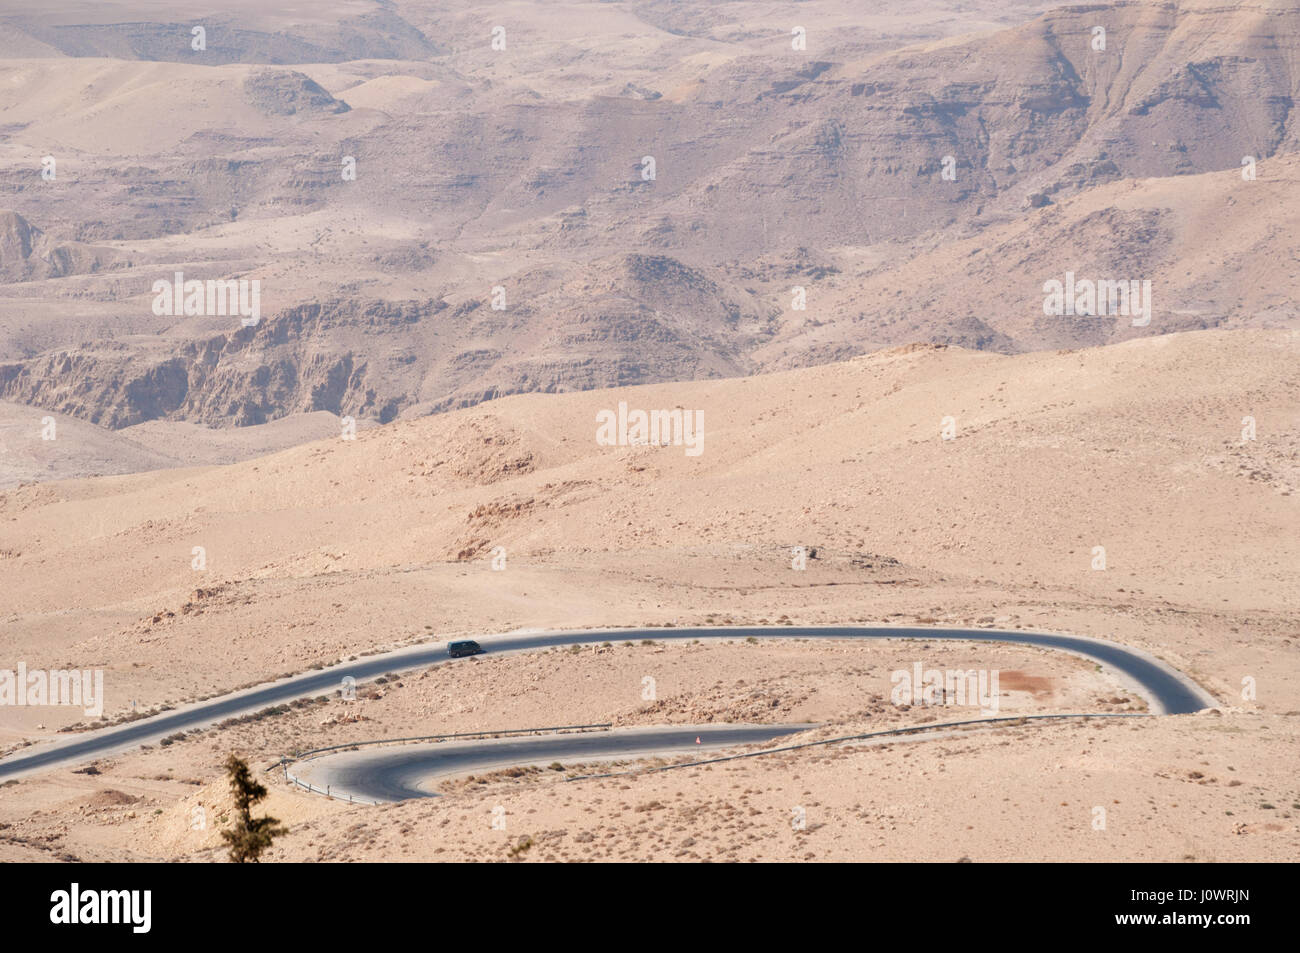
{"points": [[1196, 787], [336, 549]]}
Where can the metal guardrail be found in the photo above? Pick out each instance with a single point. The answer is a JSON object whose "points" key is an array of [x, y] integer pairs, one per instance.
{"points": [[911, 729], [351, 799]]}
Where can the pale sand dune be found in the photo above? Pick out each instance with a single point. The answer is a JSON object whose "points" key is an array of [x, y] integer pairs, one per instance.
{"points": [[37, 446], [387, 92], [32, 452]]}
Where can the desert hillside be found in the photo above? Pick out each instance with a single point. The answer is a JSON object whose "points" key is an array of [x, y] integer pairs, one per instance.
{"points": [[341, 548], [337, 546], [919, 174]]}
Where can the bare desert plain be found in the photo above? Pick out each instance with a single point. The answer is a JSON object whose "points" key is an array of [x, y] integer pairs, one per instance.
{"points": [[428, 433]]}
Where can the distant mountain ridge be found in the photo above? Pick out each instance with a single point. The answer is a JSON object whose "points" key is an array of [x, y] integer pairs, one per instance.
{"points": [[920, 193]]}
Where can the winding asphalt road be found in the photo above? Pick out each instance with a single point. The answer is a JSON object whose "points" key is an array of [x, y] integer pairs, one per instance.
{"points": [[395, 774], [1166, 690]]}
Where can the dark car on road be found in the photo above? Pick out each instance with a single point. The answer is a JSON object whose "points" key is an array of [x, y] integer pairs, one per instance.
{"points": [[467, 647]]}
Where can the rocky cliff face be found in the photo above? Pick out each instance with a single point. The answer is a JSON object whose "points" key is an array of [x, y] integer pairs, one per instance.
{"points": [[917, 193], [380, 34], [299, 362], [28, 253]]}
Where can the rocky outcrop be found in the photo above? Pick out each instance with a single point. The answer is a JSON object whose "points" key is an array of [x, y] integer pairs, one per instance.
{"points": [[27, 253], [296, 362], [288, 92]]}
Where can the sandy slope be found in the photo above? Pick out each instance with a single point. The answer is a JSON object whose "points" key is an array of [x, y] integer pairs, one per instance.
{"points": [[31, 451], [338, 547], [1212, 246], [1206, 787]]}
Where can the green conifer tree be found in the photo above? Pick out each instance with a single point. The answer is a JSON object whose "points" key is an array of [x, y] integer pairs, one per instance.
{"points": [[250, 836]]}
